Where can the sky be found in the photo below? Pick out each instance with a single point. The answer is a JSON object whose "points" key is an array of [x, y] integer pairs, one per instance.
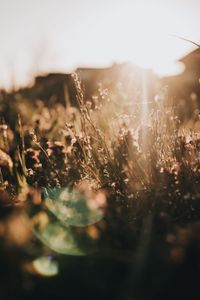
{"points": [[39, 36]]}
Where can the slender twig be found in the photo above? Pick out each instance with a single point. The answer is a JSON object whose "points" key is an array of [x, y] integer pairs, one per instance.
{"points": [[184, 39]]}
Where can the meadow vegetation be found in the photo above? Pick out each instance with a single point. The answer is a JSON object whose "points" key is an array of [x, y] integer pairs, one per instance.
{"points": [[98, 180]]}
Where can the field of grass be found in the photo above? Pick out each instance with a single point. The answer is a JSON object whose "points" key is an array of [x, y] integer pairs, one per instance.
{"points": [[100, 201]]}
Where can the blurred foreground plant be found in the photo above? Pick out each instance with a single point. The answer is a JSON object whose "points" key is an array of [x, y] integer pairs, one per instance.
{"points": [[101, 175]]}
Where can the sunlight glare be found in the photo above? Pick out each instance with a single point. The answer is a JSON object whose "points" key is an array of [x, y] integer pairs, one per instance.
{"points": [[140, 33], [93, 34]]}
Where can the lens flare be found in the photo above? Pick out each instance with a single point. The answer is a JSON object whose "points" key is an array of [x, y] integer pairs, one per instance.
{"points": [[45, 266]]}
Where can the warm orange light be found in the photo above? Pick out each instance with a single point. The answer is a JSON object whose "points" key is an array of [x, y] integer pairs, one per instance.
{"points": [[49, 36]]}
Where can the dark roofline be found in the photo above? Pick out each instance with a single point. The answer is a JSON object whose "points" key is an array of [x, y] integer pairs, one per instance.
{"points": [[194, 53], [109, 67]]}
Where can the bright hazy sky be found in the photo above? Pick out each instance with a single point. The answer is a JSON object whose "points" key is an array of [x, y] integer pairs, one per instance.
{"points": [[59, 35]]}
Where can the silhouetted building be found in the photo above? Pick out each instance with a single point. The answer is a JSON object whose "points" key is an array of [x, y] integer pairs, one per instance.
{"points": [[182, 85], [127, 78], [51, 88], [184, 88]]}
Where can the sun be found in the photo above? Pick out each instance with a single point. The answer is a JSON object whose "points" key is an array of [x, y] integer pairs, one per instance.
{"points": [[139, 32]]}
